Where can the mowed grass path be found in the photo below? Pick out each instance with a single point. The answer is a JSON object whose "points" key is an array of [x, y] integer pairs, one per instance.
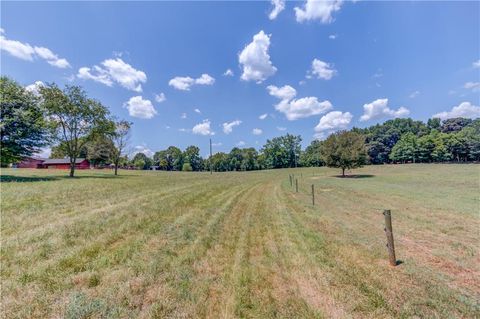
{"points": [[240, 245]]}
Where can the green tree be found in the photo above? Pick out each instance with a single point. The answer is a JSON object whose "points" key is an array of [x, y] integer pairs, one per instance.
{"points": [[192, 156], [187, 167], [454, 124], [60, 151], [99, 150], [22, 126], [141, 158], [312, 155], [345, 150], [471, 137], [119, 139], [74, 118], [405, 149], [283, 151]]}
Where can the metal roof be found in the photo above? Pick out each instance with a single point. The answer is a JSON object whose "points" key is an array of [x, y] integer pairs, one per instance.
{"points": [[62, 161]]}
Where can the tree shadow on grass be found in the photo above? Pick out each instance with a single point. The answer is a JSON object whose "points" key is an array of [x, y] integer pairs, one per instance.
{"points": [[27, 179], [355, 176], [24, 179]]}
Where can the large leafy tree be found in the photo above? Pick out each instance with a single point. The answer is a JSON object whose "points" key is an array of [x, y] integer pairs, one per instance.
{"points": [[381, 138], [454, 124], [311, 156], [191, 155], [405, 149], [74, 118], [119, 139], [22, 126], [169, 159], [142, 161], [345, 150], [283, 151]]}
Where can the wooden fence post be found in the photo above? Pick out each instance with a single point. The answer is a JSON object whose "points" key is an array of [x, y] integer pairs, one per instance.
{"points": [[296, 185], [389, 233], [313, 195], [291, 182]]}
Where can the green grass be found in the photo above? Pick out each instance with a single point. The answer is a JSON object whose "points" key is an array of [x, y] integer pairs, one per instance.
{"points": [[240, 245]]}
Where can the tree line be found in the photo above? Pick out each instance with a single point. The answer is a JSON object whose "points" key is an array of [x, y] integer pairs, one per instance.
{"points": [[78, 126]]}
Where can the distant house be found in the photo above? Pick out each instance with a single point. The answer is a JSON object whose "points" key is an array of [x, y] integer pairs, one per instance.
{"points": [[31, 162], [64, 163]]}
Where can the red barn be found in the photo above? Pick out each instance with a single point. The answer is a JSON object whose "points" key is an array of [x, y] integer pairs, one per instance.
{"points": [[64, 163], [31, 162]]}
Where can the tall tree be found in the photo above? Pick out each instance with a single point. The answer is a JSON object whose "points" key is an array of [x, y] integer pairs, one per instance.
{"points": [[191, 155], [22, 126], [283, 151], [311, 156], [75, 119], [345, 150], [120, 139], [142, 161]]}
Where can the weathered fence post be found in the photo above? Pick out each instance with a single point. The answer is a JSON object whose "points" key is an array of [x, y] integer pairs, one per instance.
{"points": [[313, 195], [389, 233], [296, 185]]}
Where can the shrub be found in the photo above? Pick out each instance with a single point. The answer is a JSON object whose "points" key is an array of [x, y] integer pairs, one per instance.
{"points": [[187, 167]]}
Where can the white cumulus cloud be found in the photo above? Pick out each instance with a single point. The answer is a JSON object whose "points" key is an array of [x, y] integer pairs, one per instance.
{"points": [[255, 59], [278, 6], [228, 72], [322, 70], [331, 122], [35, 87], [197, 111], [476, 64], [379, 109], [138, 107], [465, 109], [203, 128], [240, 143], [257, 131], [295, 109], [321, 10], [143, 149], [159, 98], [263, 116], [228, 126], [474, 86], [184, 83], [115, 71], [27, 52], [285, 92]]}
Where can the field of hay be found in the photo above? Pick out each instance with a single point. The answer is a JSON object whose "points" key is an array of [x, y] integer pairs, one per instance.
{"points": [[151, 244]]}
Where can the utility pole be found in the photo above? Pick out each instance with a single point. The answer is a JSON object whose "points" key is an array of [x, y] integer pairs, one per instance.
{"points": [[211, 167]]}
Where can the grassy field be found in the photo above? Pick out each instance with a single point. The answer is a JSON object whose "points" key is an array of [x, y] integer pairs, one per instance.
{"points": [[241, 245]]}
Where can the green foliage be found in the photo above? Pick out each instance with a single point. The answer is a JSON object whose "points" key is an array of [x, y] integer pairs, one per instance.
{"points": [[119, 140], [192, 156], [283, 151], [74, 118], [345, 150], [454, 124], [187, 167], [23, 129], [312, 155], [170, 159], [381, 138], [142, 161]]}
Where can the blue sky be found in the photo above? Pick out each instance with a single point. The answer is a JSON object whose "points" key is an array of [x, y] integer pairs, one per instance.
{"points": [[314, 68]]}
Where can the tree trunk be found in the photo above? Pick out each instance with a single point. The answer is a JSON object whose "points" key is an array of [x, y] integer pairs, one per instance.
{"points": [[116, 168], [343, 172], [72, 169]]}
